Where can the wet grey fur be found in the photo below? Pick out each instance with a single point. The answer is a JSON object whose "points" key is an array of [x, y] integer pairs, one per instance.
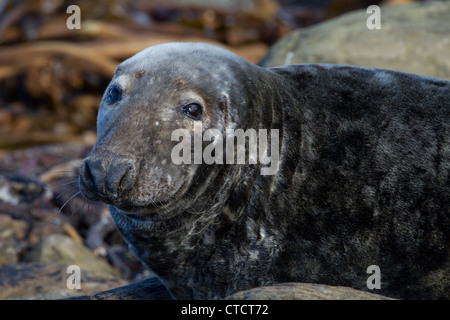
{"points": [[363, 177]]}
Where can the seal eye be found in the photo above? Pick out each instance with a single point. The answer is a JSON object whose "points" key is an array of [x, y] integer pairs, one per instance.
{"points": [[193, 110], [114, 94]]}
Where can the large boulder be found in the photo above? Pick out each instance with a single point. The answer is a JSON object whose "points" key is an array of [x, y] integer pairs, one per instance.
{"points": [[61, 249], [413, 38], [305, 291]]}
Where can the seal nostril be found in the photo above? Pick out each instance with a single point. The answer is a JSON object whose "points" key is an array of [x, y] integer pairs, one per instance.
{"points": [[87, 174], [127, 180], [123, 181], [120, 178], [87, 181]]}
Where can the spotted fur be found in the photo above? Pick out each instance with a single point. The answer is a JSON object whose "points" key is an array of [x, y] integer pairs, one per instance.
{"points": [[363, 176]]}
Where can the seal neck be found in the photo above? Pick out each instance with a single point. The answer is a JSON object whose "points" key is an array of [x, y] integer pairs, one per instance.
{"points": [[220, 208]]}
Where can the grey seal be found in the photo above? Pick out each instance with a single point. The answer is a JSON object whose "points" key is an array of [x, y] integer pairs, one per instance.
{"points": [[362, 180]]}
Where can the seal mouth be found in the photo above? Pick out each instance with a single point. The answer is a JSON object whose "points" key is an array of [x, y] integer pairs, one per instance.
{"points": [[181, 200], [128, 206], [151, 207]]}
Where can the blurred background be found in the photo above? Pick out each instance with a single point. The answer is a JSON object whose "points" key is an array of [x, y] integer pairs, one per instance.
{"points": [[52, 80]]}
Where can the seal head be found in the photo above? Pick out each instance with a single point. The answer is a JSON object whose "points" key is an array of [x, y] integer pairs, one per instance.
{"points": [[152, 94]]}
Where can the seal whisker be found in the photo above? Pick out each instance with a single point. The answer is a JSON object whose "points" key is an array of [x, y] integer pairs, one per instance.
{"points": [[81, 207], [69, 188], [65, 203], [69, 183]]}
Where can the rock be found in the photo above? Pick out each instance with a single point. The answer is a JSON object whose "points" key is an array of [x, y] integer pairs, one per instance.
{"points": [[8, 253], [12, 238], [229, 4], [49, 281], [12, 228], [15, 189], [153, 289], [61, 249], [304, 291], [40, 230], [413, 38]]}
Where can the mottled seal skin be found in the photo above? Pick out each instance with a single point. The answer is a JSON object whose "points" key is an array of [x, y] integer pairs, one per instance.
{"points": [[363, 175]]}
